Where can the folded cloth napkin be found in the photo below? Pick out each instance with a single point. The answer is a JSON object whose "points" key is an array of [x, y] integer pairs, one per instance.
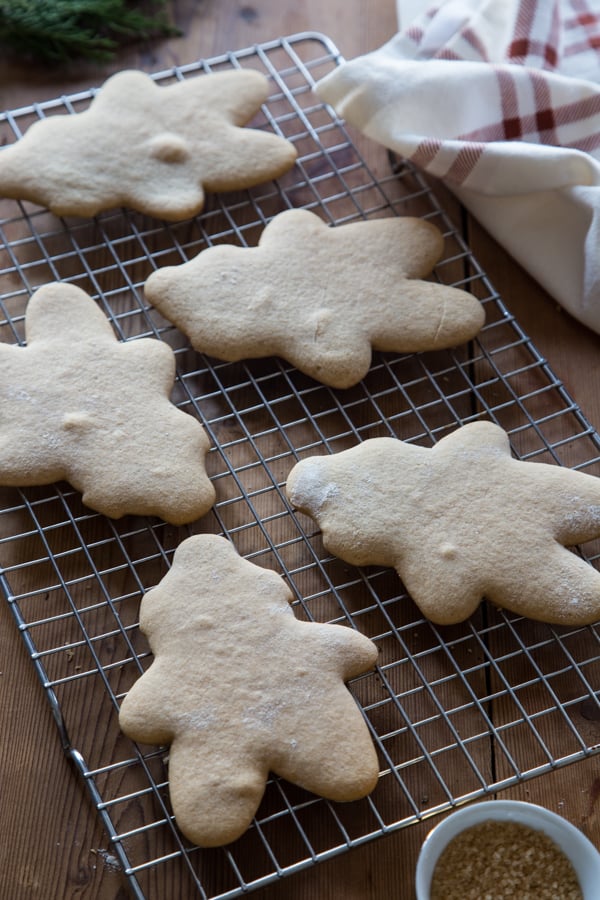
{"points": [[501, 100]]}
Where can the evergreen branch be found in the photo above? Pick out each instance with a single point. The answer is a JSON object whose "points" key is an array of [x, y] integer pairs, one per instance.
{"points": [[56, 31]]}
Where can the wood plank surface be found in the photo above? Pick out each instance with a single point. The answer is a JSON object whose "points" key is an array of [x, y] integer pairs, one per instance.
{"points": [[52, 843]]}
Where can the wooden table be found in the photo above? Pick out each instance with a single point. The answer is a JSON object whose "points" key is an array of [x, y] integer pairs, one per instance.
{"points": [[52, 843]]}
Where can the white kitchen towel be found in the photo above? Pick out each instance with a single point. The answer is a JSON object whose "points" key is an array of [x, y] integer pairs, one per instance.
{"points": [[501, 100]]}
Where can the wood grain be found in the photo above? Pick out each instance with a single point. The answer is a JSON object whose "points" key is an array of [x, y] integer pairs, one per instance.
{"points": [[52, 842]]}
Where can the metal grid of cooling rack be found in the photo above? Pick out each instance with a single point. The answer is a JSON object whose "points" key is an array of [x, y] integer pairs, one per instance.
{"points": [[456, 713]]}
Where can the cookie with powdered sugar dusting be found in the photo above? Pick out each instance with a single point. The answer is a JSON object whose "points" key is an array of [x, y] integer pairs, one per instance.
{"points": [[239, 687], [154, 148], [80, 405], [460, 521], [320, 297]]}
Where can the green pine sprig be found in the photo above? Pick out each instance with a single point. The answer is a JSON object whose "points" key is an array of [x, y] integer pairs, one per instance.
{"points": [[57, 31]]}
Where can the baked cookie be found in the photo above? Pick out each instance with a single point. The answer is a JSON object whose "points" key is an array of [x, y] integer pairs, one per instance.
{"points": [[77, 404], [459, 521], [153, 148], [320, 297], [239, 687]]}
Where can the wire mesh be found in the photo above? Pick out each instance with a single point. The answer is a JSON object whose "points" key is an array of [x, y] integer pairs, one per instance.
{"points": [[456, 712]]}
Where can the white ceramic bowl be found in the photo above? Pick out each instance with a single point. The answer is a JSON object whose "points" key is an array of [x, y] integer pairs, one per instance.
{"points": [[584, 857]]}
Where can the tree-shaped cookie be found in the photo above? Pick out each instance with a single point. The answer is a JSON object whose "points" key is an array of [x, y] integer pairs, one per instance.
{"points": [[239, 687], [153, 148], [318, 296], [77, 404], [460, 521]]}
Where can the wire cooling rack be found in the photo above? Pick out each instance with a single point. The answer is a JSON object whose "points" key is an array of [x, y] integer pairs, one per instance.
{"points": [[456, 712]]}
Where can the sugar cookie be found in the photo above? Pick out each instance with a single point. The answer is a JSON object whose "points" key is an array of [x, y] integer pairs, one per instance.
{"points": [[153, 148], [239, 687], [459, 521], [77, 404], [318, 296]]}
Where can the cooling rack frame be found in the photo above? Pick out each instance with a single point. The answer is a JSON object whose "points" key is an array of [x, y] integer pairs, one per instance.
{"points": [[443, 701]]}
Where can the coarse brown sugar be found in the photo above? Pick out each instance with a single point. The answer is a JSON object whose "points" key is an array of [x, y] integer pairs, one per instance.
{"points": [[495, 860]]}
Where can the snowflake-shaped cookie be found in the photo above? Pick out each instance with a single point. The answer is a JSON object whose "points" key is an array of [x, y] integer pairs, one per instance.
{"points": [[318, 296], [77, 404], [460, 521], [239, 687], [153, 148]]}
